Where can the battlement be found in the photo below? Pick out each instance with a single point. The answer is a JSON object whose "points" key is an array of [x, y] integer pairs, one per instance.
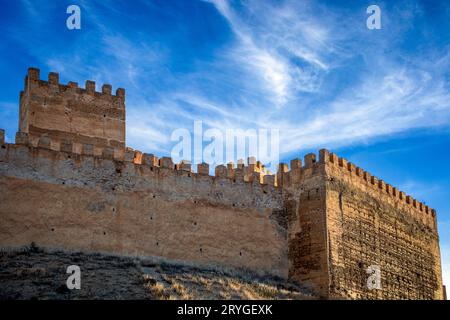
{"points": [[70, 115], [254, 171], [357, 177], [257, 174], [320, 220], [52, 83]]}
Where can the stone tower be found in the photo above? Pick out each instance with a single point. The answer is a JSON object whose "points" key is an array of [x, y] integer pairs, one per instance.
{"points": [[72, 117]]}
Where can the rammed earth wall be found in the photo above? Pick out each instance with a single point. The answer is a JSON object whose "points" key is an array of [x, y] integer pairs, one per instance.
{"points": [[69, 182]]}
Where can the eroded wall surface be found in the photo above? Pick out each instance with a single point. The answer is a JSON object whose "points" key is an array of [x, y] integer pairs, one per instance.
{"points": [[370, 223], [70, 183], [304, 196], [67, 200]]}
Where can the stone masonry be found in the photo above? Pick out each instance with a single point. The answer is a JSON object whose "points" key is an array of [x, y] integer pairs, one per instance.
{"points": [[69, 182]]}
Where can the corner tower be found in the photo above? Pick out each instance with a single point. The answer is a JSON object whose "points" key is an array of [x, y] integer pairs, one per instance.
{"points": [[345, 223]]}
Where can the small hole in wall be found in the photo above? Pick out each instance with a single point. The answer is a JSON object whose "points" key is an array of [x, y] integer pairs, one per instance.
{"points": [[234, 180], [151, 217], [151, 168], [113, 209], [104, 233], [195, 201], [360, 264], [53, 229], [234, 205], [104, 116], [154, 196], [63, 182], [195, 223], [201, 250], [118, 171], [240, 253], [70, 157], [113, 189], [157, 243]]}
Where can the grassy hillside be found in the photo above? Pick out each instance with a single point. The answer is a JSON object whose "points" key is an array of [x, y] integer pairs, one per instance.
{"points": [[35, 273]]}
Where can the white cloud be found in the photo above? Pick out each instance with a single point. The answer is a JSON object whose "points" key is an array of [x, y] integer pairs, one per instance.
{"points": [[267, 44], [395, 102], [290, 67]]}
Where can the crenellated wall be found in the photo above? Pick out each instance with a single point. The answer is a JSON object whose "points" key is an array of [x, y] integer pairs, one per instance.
{"points": [[344, 220], [78, 118], [70, 182], [86, 202], [371, 223]]}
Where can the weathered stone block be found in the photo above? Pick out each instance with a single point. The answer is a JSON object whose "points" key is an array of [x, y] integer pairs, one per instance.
{"points": [[22, 138], [230, 169], [351, 167], [343, 163], [149, 160], [203, 169], [33, 74], [166, 162], [220, 171], [87, 149], [72, 84], [296, 164], [184, 165], [310, 159], [108, 153], [90, 87], [269, 179], [334, 159], [324, 156], [137, 157], [66, 146], [44, 142], [53, 78], [106, 89], [129, 155]]}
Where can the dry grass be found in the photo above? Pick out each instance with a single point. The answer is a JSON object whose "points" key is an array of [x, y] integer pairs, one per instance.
{"points": [[35, 273], [169, 282]]}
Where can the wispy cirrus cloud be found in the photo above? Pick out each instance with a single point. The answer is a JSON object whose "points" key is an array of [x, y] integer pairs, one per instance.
{"points": [[309, 68], [313, 71], [290, 49]]}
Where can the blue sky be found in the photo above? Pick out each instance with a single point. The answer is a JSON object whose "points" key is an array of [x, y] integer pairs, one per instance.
{"points": [[309, 68]]}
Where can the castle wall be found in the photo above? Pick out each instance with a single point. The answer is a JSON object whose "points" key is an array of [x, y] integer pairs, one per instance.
{"points": [[304, 194], [370, 223], [69, 182], [69, 114], [136, 207]]}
